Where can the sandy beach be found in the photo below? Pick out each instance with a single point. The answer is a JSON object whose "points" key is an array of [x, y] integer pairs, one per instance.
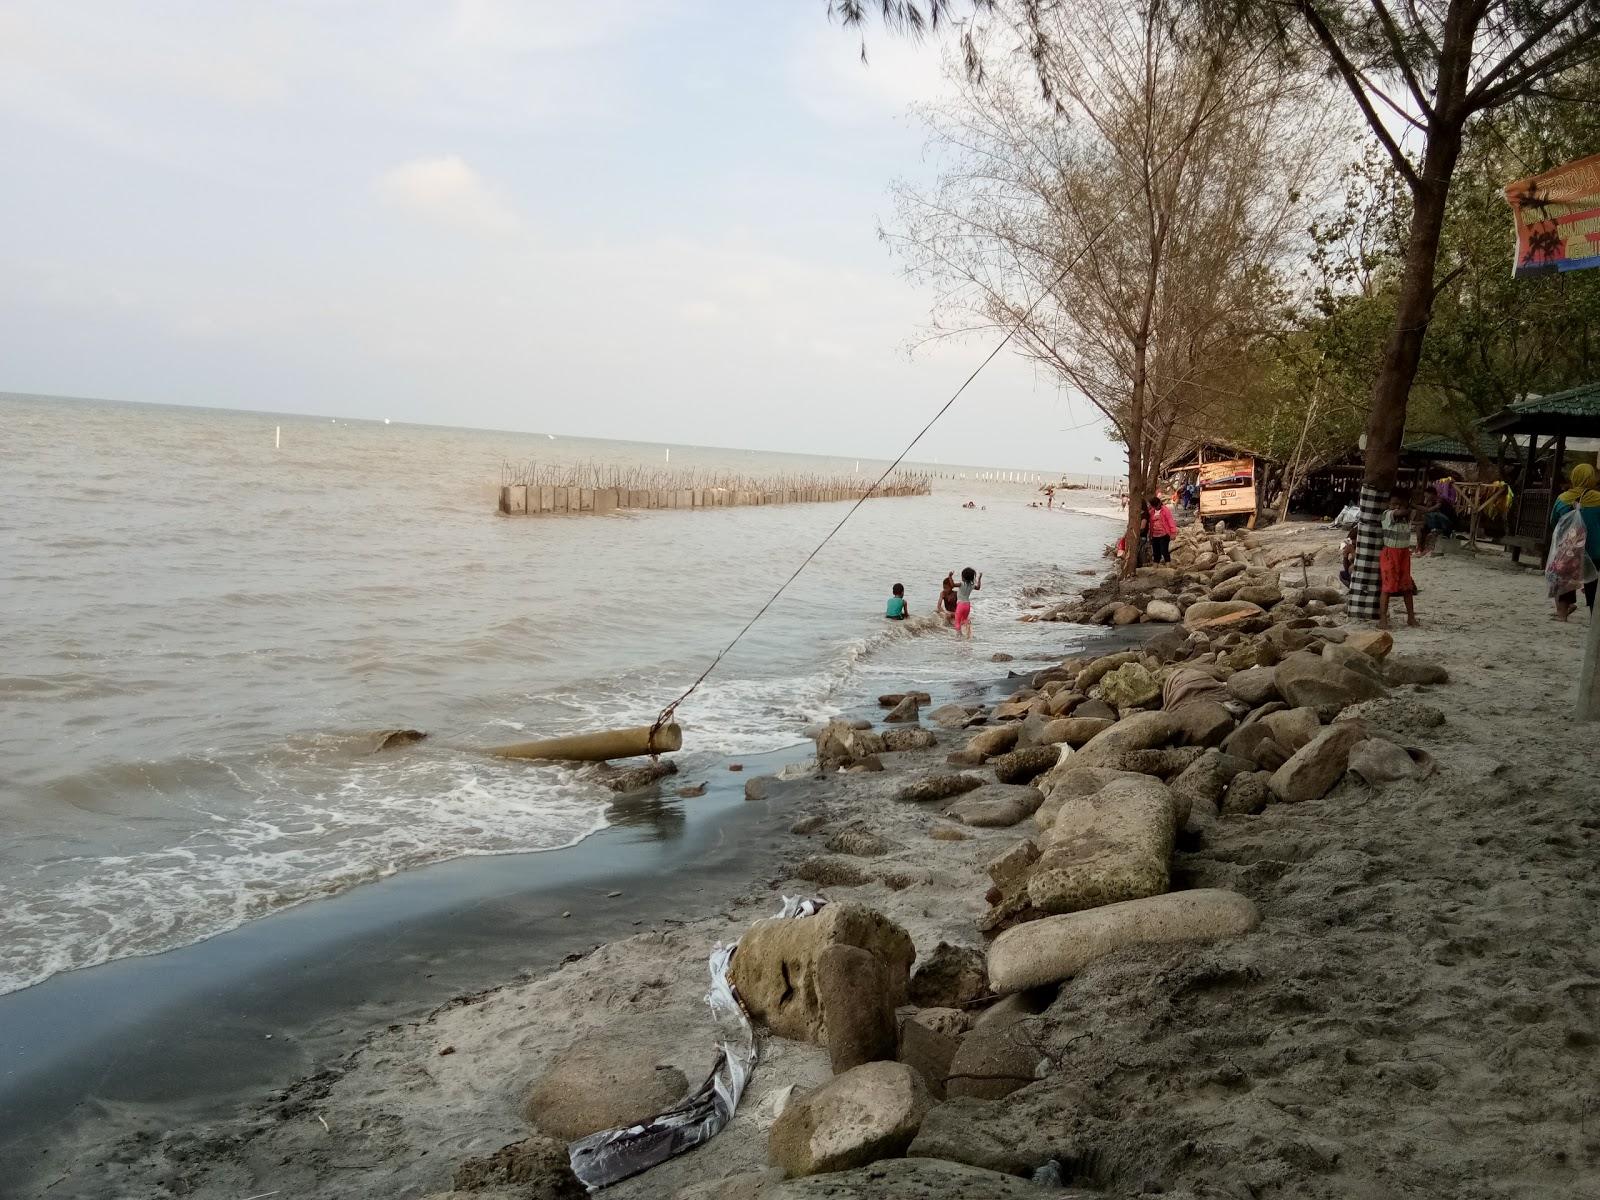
{"points": [[1415, 1014]]}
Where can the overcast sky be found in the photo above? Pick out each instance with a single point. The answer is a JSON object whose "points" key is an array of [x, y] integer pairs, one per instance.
{"points": [[651, 219]]}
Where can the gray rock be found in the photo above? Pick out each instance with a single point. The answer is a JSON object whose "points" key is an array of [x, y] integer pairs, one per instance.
{"points": [[1293, 727], [1020, 766], [1141, 731], [859, 1117], [1353, 659], [1307, 680], [1215, 614], [1092, 674], [995, 1059], [950, 977], [775, 970], [1054, 949], [833, 870], [1207, 778], [841, 744], [1163, 610], [603, 1081], [1130, 686], [1113, 845], [1255, 686], [1096, 709], [808, 824], [900, 740], [927, 1050], [1395, 718], [1316, 766], [996, 805], [536, 1168], [766, 787], [904, 712], [895, 699], [997, 739], [1076, 731], [860, 841], [949, 716], [984, 1133], [1166, 763], [857, 1014], [1247, 794], [937, 787], [1202, 722]]}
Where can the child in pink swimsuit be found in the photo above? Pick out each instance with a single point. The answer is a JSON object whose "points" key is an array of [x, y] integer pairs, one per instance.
{"points": [[971, 581]]}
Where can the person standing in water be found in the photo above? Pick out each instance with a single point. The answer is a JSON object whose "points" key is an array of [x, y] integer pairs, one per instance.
{"points": [[971, 581], [947, 599]]}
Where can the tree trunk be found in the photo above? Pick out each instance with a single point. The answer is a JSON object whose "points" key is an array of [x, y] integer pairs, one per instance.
{"points": [[1386, 424], [1136, 458]]}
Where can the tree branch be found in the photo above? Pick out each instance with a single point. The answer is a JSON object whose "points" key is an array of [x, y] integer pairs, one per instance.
{"points": [[1391, 31], [1352, 79]]}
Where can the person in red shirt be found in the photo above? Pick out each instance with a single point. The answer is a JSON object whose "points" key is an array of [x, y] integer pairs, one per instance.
{"points": [[1163, 525]]}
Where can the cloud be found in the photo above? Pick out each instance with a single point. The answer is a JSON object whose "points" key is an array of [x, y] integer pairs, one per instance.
{"points": [[447, 190]]}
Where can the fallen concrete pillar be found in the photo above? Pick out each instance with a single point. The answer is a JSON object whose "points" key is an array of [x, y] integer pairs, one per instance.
{"points": [[597, 747]]}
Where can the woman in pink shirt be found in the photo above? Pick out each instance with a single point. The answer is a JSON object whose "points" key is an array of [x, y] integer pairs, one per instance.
{"points": [[1162, 527]]}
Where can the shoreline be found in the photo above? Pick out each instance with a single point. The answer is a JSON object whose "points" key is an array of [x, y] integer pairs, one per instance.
{"points": [[1413, 1016], [111, 1054]]}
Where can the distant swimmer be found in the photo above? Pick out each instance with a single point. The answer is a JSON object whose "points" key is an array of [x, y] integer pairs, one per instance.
{"points": [[969, 504], [897, 610]]}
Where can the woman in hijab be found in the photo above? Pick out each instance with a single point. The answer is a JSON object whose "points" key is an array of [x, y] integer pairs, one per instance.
{"points": [[1582, 496]]}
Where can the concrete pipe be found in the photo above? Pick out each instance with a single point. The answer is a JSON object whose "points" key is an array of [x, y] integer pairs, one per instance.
{"points": [[597, 747]]}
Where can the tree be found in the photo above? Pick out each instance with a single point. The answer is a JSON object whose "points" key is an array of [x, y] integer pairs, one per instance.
{"points": [[1418, 71], [1126, 231]]}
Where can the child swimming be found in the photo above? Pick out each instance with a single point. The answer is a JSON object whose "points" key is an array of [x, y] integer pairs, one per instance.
{"points": [[897, 610], [971, 581]]}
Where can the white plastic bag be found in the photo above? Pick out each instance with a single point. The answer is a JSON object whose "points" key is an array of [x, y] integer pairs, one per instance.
{"points": [[1568, 566]]}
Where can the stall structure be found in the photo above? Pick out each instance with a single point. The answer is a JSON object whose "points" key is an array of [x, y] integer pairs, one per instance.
{"points": [[1549, 433], [1233, 481]]}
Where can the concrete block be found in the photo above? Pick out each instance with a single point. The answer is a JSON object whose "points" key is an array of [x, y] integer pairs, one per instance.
{"points": [[585, 499], [547, 499], [605, 500]]}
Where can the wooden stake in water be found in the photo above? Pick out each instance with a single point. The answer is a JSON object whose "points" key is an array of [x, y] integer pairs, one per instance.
{"points": [[277, 437]]}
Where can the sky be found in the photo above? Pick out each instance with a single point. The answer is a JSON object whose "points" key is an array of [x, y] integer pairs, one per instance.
{"points": [[642, 219]]}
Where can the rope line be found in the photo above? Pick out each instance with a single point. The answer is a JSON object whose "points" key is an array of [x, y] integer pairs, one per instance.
{"points": [[666, 713]]}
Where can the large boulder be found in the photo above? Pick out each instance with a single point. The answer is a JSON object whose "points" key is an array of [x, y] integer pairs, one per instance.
{"points": [[999, 1056], [1203, 722], [1092, 674], [1130, 686], [983, 1133], [950, 716], [1293, 728], [1208, 614], [1206, 779], [1069, 780], [1076, 731], [997, 739], [861, 1116], [1308, 680], [928, 1048], [1316, 766], [1021, 766], [1247, 794], [775, 966], [1353, 660], [950, 977], [1113, 845], [908, 739], [996, 805], [904, 712], [1265, 593], [938, 786], [1141, 731], [603, 1081], [840, 744], [857, 1012], [1162, 610], [1256, 686], [858, 840], [1054, 949]]}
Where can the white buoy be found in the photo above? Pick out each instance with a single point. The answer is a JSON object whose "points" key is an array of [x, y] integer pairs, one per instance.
{"points": [[277, 437]]}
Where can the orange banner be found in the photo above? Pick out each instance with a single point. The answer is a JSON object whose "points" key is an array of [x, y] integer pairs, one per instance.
{"points": [[1558, 218]]}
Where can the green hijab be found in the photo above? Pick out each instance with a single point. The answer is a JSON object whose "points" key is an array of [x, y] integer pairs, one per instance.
{"points": [[1581, 494]]}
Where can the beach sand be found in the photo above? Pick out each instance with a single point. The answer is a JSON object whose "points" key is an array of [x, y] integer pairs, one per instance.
{"points": [[1418, 1013]]}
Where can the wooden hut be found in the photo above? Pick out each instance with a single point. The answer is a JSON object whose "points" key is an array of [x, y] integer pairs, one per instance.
{"points": [[1233, 480], [1548, 433]]}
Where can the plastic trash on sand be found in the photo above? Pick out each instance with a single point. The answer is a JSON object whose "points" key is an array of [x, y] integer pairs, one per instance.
{"points": [[1349, 516], [613, 1155]]}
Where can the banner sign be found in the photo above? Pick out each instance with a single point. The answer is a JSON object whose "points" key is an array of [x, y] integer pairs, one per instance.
{"points": [[1228, 487], [1558, 219]]}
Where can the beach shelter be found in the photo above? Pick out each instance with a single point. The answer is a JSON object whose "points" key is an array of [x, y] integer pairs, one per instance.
{"points": [[1233, 480], [1548, 433]]}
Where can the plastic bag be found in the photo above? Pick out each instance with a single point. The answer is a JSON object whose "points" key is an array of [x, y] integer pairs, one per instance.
{"points": [[1568, 566]]}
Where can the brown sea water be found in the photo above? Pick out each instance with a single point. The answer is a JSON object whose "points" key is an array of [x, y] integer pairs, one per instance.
{"points": [[200, 630]]}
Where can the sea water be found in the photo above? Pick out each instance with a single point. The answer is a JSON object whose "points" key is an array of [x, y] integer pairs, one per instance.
{"points": [[204, 623]]}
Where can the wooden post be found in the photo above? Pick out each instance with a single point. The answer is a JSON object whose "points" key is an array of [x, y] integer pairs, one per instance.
{"points": [[1589, 677]]}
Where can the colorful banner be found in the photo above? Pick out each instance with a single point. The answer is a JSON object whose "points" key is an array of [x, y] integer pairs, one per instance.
{"points": [[1228, 487], [1558, 219]]}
